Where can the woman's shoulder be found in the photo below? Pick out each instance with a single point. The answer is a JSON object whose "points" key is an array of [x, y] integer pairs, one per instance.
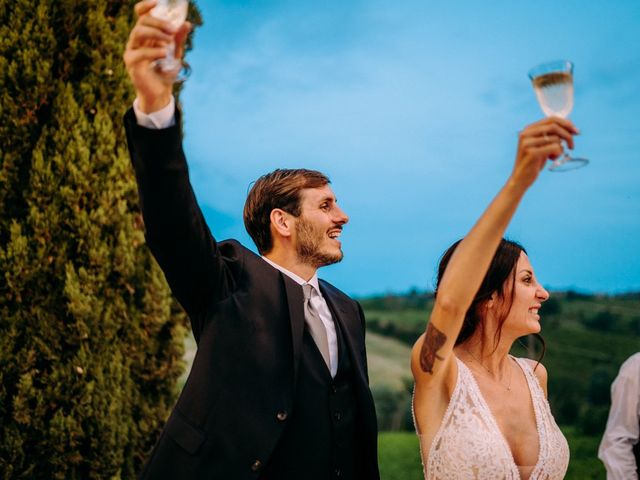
{"points": [[539, 371]]}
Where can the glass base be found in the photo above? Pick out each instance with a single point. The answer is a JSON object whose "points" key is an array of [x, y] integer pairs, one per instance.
{"points": [[566, 163], [173, 70]]}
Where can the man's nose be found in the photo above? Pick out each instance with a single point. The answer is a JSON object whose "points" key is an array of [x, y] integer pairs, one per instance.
{"points": [[341, 217]]}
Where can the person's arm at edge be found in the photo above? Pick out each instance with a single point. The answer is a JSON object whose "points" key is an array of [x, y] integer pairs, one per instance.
{"points": [[623, 425]]}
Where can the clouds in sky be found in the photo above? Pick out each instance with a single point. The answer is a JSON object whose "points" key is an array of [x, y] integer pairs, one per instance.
{"points": [[413, 109]]}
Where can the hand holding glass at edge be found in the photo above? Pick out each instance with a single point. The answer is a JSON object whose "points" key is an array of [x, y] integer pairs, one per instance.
{"points": [[553, 84], [175, 13]]}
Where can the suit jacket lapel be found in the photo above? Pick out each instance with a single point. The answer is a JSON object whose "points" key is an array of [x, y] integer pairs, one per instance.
{"points": [[349, 325]]}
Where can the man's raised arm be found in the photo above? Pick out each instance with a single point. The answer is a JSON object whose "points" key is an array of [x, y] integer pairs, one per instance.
{"points": [[176, 231]]}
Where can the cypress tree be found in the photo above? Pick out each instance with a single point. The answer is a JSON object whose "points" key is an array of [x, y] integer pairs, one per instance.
{"points": [[90, 340]]}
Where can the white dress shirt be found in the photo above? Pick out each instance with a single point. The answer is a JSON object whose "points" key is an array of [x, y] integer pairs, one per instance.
{"points": [[163, 118], [320, 304], [623, 425]]}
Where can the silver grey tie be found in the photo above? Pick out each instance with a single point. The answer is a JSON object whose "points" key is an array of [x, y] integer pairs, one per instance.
{"points": [[316, 327]]}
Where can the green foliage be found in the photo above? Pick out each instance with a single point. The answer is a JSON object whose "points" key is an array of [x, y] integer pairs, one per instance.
{"points": [[90, 343], [413, 300], [584, 463], [604, 321], [392, 406]]}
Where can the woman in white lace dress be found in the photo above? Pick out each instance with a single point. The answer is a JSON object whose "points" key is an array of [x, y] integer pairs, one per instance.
{"points": [[479, 412]]}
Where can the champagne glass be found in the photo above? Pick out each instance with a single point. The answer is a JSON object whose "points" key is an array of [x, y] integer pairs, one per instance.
{"points": [[553, 84], [174, 12]]}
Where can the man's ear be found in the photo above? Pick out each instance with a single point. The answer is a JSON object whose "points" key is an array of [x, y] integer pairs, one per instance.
{"points": [[281, 222]]}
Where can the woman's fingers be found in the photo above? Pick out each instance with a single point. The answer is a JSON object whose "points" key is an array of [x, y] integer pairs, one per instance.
{"points": [[547, 152], [538, 143], [548, 130], [563, 122], [534, 143]]}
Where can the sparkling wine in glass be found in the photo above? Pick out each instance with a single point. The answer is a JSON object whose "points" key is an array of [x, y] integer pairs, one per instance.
{"points": [[174, 12], [553, 84]]}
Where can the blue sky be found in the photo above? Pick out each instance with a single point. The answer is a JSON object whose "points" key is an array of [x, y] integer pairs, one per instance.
{"points": [[413, 109]]}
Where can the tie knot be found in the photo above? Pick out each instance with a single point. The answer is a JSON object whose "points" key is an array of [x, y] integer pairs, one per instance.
{"points": [[307, 290]]}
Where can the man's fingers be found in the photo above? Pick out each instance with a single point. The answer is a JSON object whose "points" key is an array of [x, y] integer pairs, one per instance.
{"points": [[143, 36], [147, 54], [183, 32], [160, 24], [144, 7], [145, 17], [181, 37]]}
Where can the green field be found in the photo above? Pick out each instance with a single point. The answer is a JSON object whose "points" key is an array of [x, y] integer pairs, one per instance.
{"points": [[399, 456]]}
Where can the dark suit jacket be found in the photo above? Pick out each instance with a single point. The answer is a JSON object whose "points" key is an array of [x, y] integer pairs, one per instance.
{"points": [[248, 321]]}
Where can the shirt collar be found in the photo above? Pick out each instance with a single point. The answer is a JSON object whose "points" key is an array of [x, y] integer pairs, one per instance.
{"points": [[313, 281]]}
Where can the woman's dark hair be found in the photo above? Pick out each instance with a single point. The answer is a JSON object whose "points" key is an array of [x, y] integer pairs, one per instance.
{"points": [[501, 270]]}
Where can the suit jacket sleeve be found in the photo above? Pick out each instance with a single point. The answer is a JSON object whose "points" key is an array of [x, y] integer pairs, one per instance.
{"points": [[175, 229]]}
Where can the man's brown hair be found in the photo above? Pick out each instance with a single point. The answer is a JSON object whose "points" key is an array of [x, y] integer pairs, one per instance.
{"points": [[278, 189]]}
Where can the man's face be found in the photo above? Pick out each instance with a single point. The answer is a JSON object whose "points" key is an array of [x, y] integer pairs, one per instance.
{"points": [[318, 227]]}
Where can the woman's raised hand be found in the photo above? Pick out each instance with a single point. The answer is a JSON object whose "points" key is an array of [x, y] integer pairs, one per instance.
{"points": [[539, 142]]}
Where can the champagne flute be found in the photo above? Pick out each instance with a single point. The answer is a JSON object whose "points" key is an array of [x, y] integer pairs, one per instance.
{"points": [[553, 84], [174, 12]]}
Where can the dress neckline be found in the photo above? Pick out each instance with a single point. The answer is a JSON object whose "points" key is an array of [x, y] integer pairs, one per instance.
{"points": [[494, 422]]}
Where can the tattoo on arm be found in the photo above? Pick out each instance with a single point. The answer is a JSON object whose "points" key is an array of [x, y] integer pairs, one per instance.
{"points": [[433, 341]]}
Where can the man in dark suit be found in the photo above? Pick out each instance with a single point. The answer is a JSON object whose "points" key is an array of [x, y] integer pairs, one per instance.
{"points": [[279, 385]]}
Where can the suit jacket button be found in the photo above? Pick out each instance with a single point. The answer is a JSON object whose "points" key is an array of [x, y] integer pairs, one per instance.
{"points": [[255, 466], [282, 415]]}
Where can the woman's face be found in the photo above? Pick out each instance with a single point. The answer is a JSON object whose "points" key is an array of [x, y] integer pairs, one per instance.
{"points": [[523, 318]]}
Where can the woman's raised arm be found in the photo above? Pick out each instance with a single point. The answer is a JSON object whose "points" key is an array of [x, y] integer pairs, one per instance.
{"points": [[432, 354]]}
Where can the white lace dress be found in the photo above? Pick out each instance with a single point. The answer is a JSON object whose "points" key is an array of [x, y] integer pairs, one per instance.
{"points": [[469, 444]]}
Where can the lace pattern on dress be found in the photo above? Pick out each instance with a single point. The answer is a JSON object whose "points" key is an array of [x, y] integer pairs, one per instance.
{"points": [[470, 445]]}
